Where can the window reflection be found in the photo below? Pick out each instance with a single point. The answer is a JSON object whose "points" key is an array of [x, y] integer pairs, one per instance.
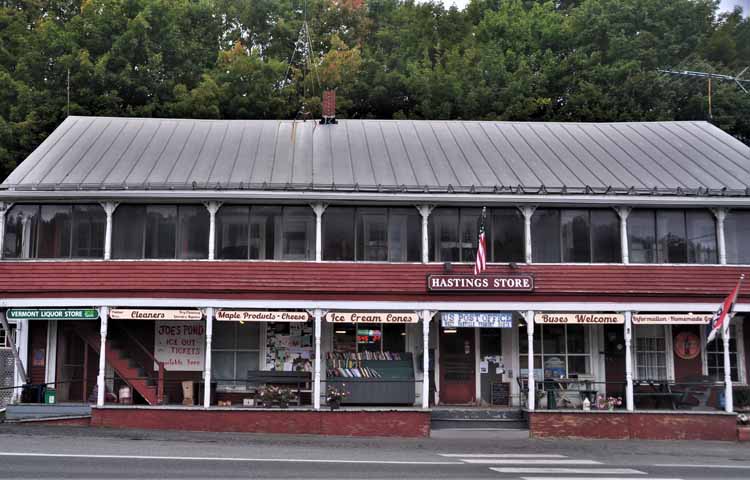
{"points": [[672, 236], [575, 235], [737, 236]]}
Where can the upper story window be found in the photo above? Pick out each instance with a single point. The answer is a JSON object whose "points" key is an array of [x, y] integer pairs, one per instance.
{"points": [[737, 236], [265, 233], [160, 231], [372, 234], [454, 233], [672, 236], [54, 231], [575, 235]]}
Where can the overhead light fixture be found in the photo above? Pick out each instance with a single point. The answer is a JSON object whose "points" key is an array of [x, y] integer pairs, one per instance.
{"points": [[403, 333], [449, 330], [341, 332]]}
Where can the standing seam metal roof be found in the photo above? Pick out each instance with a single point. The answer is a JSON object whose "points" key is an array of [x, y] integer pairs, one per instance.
{"points": [[95, 153]]}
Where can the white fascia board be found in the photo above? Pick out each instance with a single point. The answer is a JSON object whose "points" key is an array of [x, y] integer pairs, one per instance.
{"points": [[368, 305], [270, 196]]}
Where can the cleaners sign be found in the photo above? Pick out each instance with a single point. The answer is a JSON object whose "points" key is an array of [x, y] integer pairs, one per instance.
{"points": [[579, 318], [180, 345], [52, 314]]}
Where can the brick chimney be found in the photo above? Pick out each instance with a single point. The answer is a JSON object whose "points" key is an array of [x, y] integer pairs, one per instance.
{"points": [[329, 107]]}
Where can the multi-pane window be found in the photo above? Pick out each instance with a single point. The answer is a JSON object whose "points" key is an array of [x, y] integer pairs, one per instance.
{"points": [[559, 350], [575, 235], [235, 350], [672, 236], [6, 341], [262, 232], [369, 337], [651, 352], [160, 231], [715, 357], [54, 231], [372, 234], [737, 236], [454, 233]]}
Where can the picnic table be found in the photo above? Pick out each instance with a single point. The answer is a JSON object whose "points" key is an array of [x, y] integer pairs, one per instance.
{"points": [[658, 390]]}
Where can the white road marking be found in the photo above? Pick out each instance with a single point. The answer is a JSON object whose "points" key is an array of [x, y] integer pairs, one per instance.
{"points": [[503, 455], [596, 478], [683, 465], [223, 459], [589, 471], [528, 461]]}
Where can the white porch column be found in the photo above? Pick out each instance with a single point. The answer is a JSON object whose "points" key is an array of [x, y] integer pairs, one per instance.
{"points": [[530, 332], [316, 380], [721, 215], [103, 316], [4, 207], [628, 362], [623, 212], [318, 208], [728, 398], [50, 365], [212, 208], [207, 363], [109, 210], [425, 211], [426, 317], [528, 212]]}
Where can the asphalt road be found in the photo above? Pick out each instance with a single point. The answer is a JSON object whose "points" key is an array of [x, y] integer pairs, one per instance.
{"points": [[80, 452]]}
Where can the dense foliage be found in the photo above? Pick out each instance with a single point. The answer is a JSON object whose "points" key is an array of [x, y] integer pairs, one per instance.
{"points": [[566, 60]]}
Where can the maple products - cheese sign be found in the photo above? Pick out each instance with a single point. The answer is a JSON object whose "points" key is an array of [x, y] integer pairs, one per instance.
{"points": [[479, 283]]}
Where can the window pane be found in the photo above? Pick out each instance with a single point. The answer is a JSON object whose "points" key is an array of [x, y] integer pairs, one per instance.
{"points": [[369, 337], [54, 232], [579, 365], [576, 236], [128, 228], [231, 232], [247, 361], [545, 235], [222, 366], [701, 237], [553, 339], [554, 366], [394, 338], [715, 356], [444, 235], [577, 338], [605, 236], [161, 231], [642, 236], [373, 234], [298, 233], [737, 236], [223, 337], [20, 231], [404, 235], [338, 233], [650, 352], [89, 225], [265, 240], [672, 244], [469, 234], [507, 235], [193, 234], [248, 336]]}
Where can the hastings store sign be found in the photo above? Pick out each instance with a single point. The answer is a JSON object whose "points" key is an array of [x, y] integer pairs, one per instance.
{"points": [[579, 318], [479, 283], [370, 317], [260, 316]]}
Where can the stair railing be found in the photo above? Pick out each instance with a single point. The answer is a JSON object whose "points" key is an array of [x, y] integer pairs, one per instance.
{"points": [[160, 380]]}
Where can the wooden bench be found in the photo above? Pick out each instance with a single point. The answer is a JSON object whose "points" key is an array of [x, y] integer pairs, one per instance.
{"points": [[301, 380]]}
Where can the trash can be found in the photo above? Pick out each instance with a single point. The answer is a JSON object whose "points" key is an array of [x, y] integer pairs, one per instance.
{"points": [[551, 400], [32, 393], [50, 395]]}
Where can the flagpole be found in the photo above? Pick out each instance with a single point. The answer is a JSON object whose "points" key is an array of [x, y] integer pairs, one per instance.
{"points": [[728, 394]]}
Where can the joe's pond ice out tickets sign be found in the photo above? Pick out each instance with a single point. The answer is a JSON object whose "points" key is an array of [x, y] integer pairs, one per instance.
{"points": [[180, 345]]}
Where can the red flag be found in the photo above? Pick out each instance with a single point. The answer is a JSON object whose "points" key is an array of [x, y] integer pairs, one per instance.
{"points": [[480, 263], [721, 315]]}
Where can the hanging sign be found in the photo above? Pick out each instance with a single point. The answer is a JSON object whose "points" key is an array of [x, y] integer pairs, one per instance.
{"points": [[52, 314], [687, 345], [672, 319], [476, 319], [260, 316], [151, 314], [180, 345], [479, 283], [579, 318], [369, 317]]}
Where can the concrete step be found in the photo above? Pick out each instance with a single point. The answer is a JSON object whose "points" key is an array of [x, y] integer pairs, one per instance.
{"points": [[479, 425], [477, 414], [43, 410]]}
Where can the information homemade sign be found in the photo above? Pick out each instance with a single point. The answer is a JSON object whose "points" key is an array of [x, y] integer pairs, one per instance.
{"points": [[180, 345], [151, 314], [52, 314], [672, 319], [443, 282], [579, 318], [260, 316], [476, 319], [369, 317]]}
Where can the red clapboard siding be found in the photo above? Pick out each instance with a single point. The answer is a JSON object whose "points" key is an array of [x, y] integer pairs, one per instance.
{"points": [[351, 280]]}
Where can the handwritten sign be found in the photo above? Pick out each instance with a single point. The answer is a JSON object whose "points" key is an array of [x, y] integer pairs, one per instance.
{"points": [[180, 345]]}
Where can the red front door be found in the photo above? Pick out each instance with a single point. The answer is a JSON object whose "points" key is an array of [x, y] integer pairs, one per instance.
{"points": [[457, 362]]}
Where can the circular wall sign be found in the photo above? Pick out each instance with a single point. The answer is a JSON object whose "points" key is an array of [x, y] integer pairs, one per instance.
{"points": [[687, 345]]}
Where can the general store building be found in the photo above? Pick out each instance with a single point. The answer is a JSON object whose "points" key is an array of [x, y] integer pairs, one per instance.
{"points": [[232, 254]]}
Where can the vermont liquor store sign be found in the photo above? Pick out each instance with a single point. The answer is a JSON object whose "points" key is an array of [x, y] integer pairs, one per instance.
{"points": [[479, 283], [53, 314]]}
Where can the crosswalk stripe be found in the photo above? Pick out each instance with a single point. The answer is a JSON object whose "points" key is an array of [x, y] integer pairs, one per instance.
{"points": [[528, 461], [596, 478], [588, 471], [502, 455]]}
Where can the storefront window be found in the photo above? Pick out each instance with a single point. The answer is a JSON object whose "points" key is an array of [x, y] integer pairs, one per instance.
{"points": [[235, 350], [737, 236], [715, 357], [575, 235], [560, 350], [650, 352], [672, 236], [54, 231], [369, 337]]}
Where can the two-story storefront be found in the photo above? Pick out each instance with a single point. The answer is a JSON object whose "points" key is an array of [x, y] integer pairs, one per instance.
{"points": [[208, 259]]}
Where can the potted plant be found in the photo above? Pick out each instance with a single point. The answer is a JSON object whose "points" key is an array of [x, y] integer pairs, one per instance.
{"points": [[271, 395], [608, 403], [334, 396]]}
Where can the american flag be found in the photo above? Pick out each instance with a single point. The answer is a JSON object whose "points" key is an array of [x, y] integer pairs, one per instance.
{"points": [[722, 316], [480, 264]]}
